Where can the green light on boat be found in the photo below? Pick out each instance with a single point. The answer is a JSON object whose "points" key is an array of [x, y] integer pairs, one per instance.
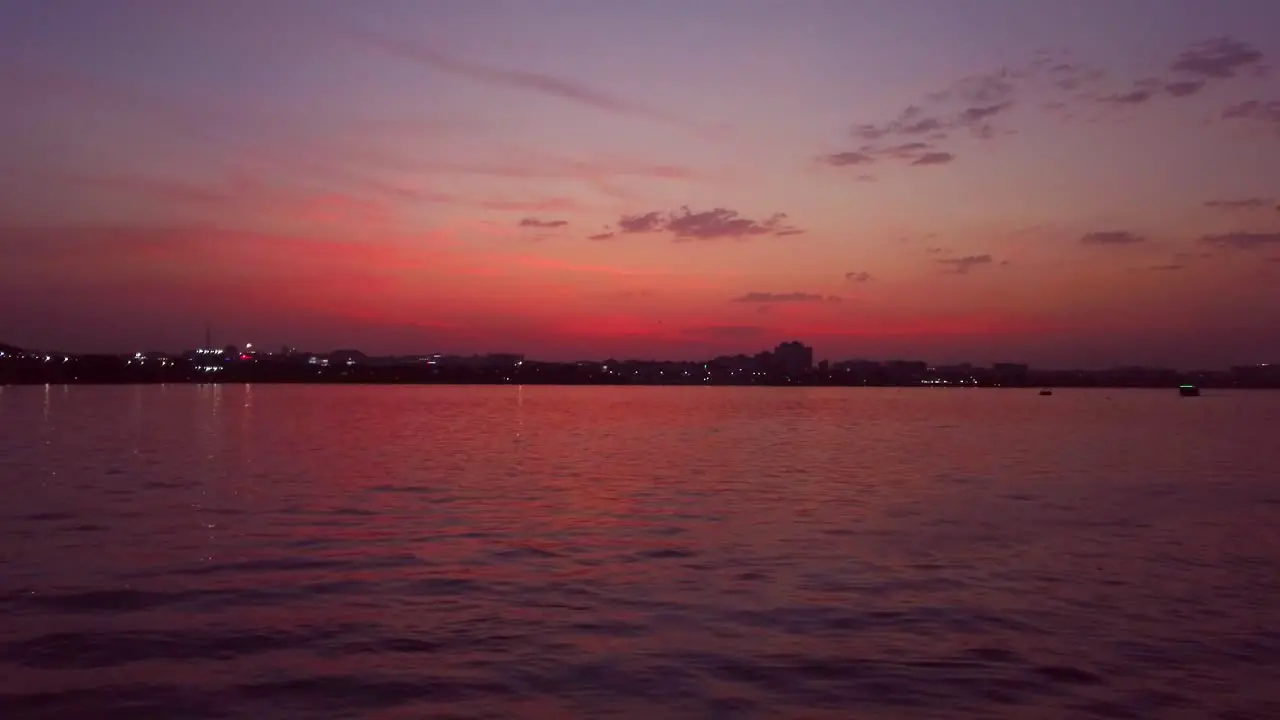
{"points": [[1186, 386]]}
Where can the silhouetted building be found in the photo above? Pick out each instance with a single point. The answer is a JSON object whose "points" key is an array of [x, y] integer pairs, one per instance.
{"points": [[346, 357], [793, 358], [906, 372], [1264, 374], [1011, 373]]}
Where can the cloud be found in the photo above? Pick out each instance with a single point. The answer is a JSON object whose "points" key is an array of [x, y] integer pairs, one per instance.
{"points": [[722, 223], [536, 223], [714, 224], [791, 297], [934, 158], [152, 254], [857, 277], [1218, 58], [548, 85], [904, 151], [1183, 88], [1242, 204], [962, 265], [1166, 268], [845, 159], [1060, 72], [600, 236], [1112, 238], [1259, 111], [978, 114], [245, 196], [1195, 67], [969, 105], [1243, 240], [644, 223], [1142, 91]]}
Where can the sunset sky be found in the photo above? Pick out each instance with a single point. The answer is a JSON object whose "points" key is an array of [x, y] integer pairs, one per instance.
{"points": [[1062, 182]]}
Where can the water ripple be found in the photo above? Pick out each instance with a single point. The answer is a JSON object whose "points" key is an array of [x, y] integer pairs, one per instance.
{"points": [[371, 552]]}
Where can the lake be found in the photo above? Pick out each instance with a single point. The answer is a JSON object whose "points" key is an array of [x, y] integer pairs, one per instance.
{"points": [[576, 552]]}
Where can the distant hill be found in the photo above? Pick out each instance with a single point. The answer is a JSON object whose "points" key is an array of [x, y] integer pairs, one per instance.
{"points": [[10, 349]]}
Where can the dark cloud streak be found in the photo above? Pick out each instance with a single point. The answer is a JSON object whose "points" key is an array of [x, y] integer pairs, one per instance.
{"points": [[546, 224], [934, 158], [1242, 204], [1258, 111], [715, 224], [1218, 59], [962, 265], [1112, 238], [561, 88], [1192, 70], [845, 159], [1243, 240], [790, 297]]}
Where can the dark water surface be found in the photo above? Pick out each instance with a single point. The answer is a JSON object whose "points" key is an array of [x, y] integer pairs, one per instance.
{"points": [[467, 552]]}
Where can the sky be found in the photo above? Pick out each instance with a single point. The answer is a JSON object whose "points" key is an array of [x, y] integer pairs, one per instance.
{"points": [[1062, 182]]}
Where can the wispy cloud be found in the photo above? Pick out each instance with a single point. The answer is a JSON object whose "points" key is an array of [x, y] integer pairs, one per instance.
{"points": [[969, 106], [962, 265], [1257, 111], [1217, 58], [845, 159], [722, 223], [1243, 240], [549, 85], [1242, 204], [545, 224], [1192, 70], [1112, 238], [601, 236], [934, 158], [789, 297], [641, 223], [1142, 91], [714, 224], [244, 195], [857, 277], [979, 106]]}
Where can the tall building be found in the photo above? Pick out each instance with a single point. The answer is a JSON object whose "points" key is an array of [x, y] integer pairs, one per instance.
{"points": [[793, 358]]}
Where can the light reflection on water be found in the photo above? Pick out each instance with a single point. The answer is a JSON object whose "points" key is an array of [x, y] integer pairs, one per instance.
{"points": [[265, 551]]}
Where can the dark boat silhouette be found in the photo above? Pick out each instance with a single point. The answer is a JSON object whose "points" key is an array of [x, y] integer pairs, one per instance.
{"points": [[1188, 391], [1046, 391]]}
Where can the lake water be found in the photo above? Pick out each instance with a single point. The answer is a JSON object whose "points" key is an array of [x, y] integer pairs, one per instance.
{"points": [[504, 552]]}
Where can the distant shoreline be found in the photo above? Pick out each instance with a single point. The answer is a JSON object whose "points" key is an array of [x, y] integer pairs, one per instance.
{"points": [[791, 365], [561, 383]]}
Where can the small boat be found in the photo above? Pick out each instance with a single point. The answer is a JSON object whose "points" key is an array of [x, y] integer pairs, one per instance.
{"points": [[1188, 391], [1046, 391]]}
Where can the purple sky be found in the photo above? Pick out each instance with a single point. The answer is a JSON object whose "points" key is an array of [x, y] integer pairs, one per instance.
{"points": [[1089, 182]]}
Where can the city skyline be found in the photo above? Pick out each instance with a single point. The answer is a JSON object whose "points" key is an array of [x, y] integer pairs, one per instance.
{"points": [[340, 354], [1072, 184]]}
